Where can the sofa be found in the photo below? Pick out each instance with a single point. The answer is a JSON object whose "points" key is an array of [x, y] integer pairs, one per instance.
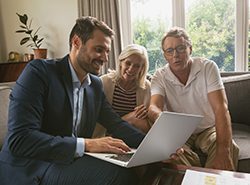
{"points": [[237, 86], [5, 89]]}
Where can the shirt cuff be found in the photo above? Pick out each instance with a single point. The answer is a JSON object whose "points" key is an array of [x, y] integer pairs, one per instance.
{"points": [[80, 146]]}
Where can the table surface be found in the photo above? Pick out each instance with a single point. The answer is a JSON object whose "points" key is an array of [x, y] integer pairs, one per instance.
{"points": [[173, 174]]}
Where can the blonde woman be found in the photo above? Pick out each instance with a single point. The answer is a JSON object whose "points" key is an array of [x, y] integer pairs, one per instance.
{"points": [[127, 89]]}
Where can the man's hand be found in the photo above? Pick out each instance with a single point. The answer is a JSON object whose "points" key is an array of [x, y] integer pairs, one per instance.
{"points": [[106, 144], [174, 156], [223, 162], [218, 101], [155, 107]]}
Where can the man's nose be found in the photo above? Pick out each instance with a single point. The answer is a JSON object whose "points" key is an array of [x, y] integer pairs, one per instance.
{"points": [[105, 57], [175, 52]]}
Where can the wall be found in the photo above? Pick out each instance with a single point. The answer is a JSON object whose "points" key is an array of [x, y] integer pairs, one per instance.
{"points": [[56, 19]]}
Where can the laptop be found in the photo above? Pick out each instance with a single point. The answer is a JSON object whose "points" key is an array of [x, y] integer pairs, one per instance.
{"points": [[169, 132]]}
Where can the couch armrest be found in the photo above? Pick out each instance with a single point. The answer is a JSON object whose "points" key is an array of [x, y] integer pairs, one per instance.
{"points": [[237, 88], [5, 89]]}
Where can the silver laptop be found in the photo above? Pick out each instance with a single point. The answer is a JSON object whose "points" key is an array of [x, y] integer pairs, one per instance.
{"points": [[169, 132]]}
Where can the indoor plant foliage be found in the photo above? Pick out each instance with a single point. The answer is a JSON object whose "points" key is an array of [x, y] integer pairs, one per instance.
{"points": [[32, 35]]}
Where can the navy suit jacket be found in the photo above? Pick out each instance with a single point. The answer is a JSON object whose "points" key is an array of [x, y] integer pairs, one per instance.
{"points": [[40, 121]]}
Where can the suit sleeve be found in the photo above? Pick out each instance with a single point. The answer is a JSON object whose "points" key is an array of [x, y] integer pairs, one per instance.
{"points": [[26, 113]]}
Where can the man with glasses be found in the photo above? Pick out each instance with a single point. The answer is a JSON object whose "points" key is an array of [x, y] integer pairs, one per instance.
{"points": [[194, 86]]}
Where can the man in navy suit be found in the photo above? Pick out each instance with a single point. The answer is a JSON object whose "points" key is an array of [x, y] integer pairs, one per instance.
{"points": [[53, 110]]}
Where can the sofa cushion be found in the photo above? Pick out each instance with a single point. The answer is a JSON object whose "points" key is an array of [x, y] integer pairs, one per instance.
{"points": [[237, 88], [238, 91], [244, 166], [4, 104], [241, 135]]}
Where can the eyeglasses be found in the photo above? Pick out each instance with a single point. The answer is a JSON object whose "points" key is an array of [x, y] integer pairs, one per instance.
{"points": [[178, 49]]}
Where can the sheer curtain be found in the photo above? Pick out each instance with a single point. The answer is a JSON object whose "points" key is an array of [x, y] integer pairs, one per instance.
{"points": [[241, 39], [108, 11]]}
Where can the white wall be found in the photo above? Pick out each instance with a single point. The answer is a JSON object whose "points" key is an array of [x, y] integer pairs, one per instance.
{"points": [[56, 18]]}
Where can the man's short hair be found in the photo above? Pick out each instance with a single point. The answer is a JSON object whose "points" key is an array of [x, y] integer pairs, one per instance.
{"points": [[85, 26], [176, 32]]}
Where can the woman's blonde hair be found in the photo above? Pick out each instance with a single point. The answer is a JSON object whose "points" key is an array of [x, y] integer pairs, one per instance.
{"points": [[131, 50]]}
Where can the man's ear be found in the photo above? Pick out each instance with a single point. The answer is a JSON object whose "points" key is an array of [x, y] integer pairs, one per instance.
{"points": [[76, 42], [191, 49]]}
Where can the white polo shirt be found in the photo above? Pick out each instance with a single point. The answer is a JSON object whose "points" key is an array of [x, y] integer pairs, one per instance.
{"points": [[191, 98]]}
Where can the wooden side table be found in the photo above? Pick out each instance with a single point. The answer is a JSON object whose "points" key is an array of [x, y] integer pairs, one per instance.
{"points": [[10, 71]]}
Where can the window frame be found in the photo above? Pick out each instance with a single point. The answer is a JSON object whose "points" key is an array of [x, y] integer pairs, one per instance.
{"points": [[241, 32]]}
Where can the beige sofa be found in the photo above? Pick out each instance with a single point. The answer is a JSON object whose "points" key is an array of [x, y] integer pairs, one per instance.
{"points": [[5, 89]]}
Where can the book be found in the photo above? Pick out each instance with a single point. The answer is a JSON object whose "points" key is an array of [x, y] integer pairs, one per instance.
{"points": [[193, 177]]}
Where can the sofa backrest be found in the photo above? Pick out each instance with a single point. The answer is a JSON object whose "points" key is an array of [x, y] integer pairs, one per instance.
{"points": [[5, 89], [238, 94]]}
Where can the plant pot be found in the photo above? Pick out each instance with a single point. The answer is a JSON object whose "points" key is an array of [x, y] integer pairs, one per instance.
{"points": [[40, 53]]}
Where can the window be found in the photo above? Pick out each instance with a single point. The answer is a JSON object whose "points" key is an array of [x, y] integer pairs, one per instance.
{"points": [[215, 28], [150, 20], [211, 26]]}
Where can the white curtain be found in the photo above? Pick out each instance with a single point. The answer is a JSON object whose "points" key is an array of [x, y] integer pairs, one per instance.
{"points": [[109, 12], [178, 7], [241, 39], [126, 28]]}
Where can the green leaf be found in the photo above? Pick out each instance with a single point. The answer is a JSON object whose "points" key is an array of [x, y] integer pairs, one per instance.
{"points": [[35, 38], [40, 40], [23, 27], [24, 40], [29, 31], [23, 18], [20, 31]]}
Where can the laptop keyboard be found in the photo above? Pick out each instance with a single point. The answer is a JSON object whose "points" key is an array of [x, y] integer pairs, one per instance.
{"points": [[122, 157]]}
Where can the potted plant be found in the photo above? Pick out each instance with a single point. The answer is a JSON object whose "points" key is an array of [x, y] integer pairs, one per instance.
{"points": [[32, 37]]}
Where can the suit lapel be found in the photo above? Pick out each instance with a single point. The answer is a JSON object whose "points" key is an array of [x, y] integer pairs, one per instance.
{"points": [[88, 114], [66, 78]]}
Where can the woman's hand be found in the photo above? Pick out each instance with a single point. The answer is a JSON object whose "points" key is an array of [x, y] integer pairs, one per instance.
{"points": [[138, 118], [141, 112]]}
